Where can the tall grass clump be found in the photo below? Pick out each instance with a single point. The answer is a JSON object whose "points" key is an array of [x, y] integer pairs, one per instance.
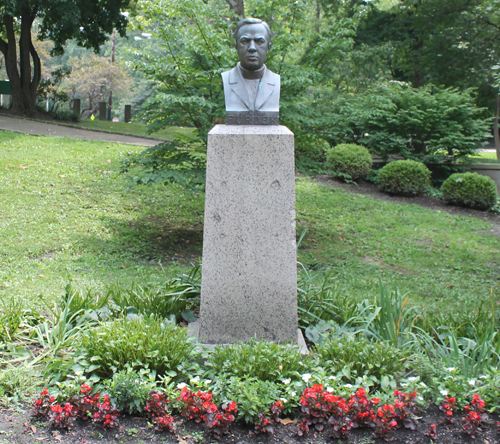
{"points": [[394, 321]]}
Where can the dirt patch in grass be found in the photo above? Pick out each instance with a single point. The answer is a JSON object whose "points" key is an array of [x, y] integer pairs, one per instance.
{"points": [[21, 428]]}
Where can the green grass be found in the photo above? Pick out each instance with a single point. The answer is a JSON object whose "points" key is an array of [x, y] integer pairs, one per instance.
{"points": [[442, 261], [66, 215], [69, 216], [486, 155], [134, 128]]}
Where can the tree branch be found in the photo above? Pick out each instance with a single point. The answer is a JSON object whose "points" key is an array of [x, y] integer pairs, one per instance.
{"points": [[4, 47], [238, 6]]}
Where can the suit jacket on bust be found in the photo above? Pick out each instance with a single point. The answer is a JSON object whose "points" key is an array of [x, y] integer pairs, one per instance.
{"points": [[237, 97]]}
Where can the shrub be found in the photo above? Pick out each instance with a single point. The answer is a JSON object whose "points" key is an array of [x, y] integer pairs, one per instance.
{"points": [[129, 390], [311, 147], [349, 159], [138, 342], [252, 395], [404, 177], [264, 360], [470, 190], [67, 115], [394, 118], [355, 356]]}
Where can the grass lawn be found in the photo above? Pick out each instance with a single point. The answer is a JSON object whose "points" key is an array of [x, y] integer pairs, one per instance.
{"points": [[134, 128], [67, 215]]}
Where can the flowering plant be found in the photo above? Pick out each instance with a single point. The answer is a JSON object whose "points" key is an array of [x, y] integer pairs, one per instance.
{"points": [[106, 413], [448, 408], [431, 431], [268, 420], [316, 407], [86, 404], [43, 404], [340, 419], [197, 405], [476, 413], [385, 423], [362, 409], [406, 408], [85, 407], [61, 417], [156, 407], [219, 422]]}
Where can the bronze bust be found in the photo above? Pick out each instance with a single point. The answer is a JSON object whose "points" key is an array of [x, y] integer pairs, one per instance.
{"points": [[251, 90]]}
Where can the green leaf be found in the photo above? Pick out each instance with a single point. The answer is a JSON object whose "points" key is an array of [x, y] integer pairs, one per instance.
{"points": [[189, 316]]}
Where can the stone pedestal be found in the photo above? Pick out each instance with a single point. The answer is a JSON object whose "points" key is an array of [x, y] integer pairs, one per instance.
{"points": [[249, 272]]}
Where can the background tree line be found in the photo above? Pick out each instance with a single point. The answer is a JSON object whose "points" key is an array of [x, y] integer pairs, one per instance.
{"points": [[348, 67]]}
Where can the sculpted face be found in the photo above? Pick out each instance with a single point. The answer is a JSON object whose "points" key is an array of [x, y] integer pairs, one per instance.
{"points": [[252, 44]]}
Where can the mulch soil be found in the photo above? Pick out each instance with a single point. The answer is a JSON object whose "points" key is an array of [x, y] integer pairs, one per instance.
{"points": [[20, 428], [17, 426]]}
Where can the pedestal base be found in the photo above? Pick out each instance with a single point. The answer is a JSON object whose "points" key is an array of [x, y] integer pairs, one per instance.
{"points": [[249, 271]]}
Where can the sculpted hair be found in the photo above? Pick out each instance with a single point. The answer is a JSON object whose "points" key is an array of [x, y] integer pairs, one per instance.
{"points": [[251, 21]]}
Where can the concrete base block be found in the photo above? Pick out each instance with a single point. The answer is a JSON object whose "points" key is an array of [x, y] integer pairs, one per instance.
{"points": [[249, 271], [194, 331]]}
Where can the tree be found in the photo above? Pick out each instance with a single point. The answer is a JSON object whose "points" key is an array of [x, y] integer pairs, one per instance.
{"points": [[87, 21], [92, 79], [448, 43], [195, 45]]}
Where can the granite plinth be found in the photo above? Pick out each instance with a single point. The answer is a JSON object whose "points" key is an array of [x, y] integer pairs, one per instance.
{"points": [[249, 271]]}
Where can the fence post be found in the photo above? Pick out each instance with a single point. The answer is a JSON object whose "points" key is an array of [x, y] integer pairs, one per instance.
{"points": [[102, 110], [128, 113], [77, 104]]}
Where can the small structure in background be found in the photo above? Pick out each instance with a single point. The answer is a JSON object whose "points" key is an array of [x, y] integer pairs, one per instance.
{"points": [[102, 110], [77, 106], [4, 90], [128, 113]]}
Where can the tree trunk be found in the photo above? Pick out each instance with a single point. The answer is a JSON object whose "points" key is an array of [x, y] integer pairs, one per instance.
{"points": [[110, 100], [23, 81], [238, 6], [495, 126], [318, 16]]}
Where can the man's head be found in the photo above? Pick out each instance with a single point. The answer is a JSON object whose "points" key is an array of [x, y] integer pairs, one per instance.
{"points": [[252, 38]]}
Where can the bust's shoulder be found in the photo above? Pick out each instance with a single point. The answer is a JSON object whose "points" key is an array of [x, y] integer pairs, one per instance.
{"points": [[271, 77], [230, 76]]}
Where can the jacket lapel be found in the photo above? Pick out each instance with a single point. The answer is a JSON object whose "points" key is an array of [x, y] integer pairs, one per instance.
{"points": [[266, 90], [238, 86]]}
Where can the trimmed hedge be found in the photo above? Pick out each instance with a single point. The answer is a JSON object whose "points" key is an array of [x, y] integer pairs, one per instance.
{"points": [[350, 160], [405, 178], [470, 190]]}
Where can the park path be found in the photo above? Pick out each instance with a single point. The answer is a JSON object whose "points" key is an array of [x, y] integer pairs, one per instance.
{"points": [[35, 127]]}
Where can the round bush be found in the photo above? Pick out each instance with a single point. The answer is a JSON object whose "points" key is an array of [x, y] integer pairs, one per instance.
{"points": [[470, 190], [350, 159], [404, 177]]}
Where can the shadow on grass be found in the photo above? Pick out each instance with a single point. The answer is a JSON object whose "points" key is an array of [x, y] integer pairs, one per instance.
{"points": [[149, 239]]}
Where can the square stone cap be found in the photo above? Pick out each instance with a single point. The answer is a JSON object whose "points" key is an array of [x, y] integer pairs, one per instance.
{"points": [[258, 130]]}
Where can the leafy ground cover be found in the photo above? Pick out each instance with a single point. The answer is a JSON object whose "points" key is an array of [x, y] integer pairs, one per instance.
{"points": [[391, 296]]}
